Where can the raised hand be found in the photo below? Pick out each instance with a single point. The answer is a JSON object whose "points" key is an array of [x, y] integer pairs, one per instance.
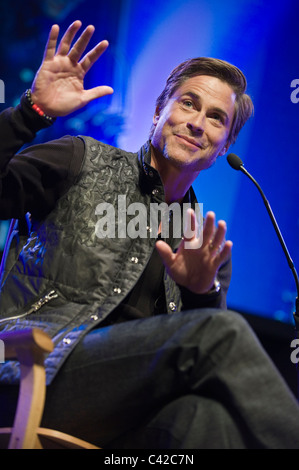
{"points": [[58, 87], [196, 262]]}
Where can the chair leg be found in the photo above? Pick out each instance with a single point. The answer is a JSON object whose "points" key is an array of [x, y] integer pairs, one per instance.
{"points": [[31, 402]]}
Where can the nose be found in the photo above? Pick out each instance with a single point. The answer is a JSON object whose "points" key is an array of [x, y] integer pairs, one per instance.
{"points": [[196, 123]]}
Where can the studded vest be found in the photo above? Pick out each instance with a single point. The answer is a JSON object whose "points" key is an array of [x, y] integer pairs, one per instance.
{"points": [[65, 277]]}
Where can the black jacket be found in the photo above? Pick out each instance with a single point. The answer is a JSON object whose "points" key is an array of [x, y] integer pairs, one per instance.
{"points": [[62, 276]]}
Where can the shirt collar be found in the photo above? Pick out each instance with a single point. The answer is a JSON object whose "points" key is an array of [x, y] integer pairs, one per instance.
{"points": [[152, 175]]}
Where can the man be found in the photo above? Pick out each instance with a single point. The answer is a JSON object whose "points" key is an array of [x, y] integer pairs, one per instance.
{"points": [[145, 353]]}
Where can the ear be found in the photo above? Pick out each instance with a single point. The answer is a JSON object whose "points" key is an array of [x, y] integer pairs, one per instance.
{"points": [[156, 116], [224, 150]]}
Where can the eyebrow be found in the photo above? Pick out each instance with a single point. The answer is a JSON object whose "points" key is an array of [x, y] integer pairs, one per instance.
{"points": [[197, 98]]}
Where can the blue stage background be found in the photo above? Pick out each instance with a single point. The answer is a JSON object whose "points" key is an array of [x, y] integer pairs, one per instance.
{"points": [[148, 39]]}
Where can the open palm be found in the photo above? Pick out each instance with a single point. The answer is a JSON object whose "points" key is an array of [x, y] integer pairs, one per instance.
{"points": [[196, 262], [58, 87]]}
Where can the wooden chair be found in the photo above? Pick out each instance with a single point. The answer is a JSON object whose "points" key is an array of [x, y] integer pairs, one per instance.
{"points": [[29, 348]]}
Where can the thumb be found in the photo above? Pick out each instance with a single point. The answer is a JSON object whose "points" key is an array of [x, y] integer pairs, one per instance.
{"points": [[165, 253], [97, 92]]}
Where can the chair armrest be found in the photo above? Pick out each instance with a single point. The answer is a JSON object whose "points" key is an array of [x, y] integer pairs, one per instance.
{"points": [[30, 339]]}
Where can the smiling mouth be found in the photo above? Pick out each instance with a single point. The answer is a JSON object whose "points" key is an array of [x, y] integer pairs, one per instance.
{"points": [[190, 141]]}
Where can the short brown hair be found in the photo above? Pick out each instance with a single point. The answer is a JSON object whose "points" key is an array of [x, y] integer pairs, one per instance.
{"points": [[216, 68]]}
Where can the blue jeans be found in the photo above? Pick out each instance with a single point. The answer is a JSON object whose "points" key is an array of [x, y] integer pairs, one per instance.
{"points": [[191, 380]]}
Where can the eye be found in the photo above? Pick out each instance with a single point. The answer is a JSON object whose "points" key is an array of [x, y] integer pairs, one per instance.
{"points": [[217, 117], [188, 103]]}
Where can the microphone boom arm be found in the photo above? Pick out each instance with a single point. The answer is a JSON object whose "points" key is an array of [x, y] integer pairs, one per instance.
{"points": [[236, 163], [278, 232]]}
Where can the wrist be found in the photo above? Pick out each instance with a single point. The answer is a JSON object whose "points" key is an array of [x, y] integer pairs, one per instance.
{"points": [[36, 108], [214, 289]]}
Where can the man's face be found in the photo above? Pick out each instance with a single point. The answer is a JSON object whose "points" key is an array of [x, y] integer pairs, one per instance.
{"points": [[193, 127]]}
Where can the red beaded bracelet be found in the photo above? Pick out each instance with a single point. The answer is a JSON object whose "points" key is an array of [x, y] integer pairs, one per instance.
{"points": [[36, 108]]}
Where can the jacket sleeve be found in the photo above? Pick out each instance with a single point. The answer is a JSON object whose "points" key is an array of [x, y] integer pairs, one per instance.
{"points": [[32, 180], [213, 299]]}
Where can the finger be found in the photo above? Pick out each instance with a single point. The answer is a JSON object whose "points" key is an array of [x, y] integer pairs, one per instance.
{"points": [[216, 243], [50, 48], [190, 226], [92, 56], [97, 92], [68, 37], [81, 44], [192, 231], [209, 228], [224, 254]]}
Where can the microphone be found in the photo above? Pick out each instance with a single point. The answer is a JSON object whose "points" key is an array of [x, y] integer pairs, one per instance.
{"points": [[236, 163]]}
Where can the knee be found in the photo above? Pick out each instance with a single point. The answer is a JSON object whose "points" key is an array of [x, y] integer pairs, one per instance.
{"points": [[233, 334], [225, 320], [232, 321], [224, 331]]}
